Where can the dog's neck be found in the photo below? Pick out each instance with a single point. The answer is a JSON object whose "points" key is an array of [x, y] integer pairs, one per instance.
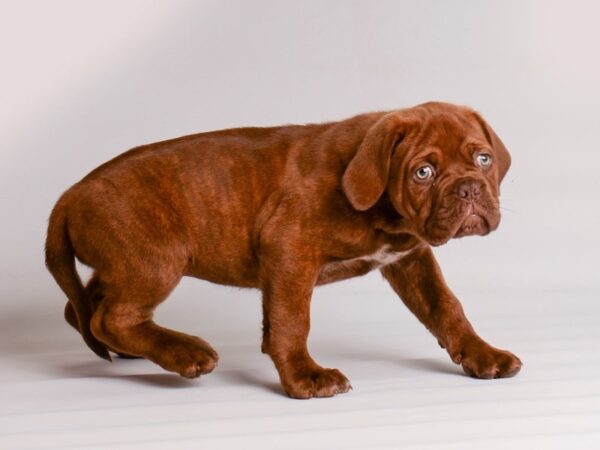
{"points": [[387, 219]]}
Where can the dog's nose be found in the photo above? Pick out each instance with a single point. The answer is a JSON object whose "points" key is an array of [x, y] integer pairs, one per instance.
{"points": [[469, 190]]}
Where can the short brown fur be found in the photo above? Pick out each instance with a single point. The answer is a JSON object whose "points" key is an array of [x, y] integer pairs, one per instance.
{"points": [[281, 209]]}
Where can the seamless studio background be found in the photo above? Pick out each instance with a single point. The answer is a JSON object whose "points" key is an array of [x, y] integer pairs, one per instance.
{"points": [[81, 82]]}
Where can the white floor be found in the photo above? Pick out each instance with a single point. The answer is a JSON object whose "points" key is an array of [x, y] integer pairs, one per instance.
{"points": [[54, 393]]}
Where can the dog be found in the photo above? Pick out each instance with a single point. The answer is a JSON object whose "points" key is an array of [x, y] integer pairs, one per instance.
{"points": [[281, 209]]}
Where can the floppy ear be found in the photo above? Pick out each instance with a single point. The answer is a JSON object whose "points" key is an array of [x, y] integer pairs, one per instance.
{"points": [[367, 174], [502, 155]]}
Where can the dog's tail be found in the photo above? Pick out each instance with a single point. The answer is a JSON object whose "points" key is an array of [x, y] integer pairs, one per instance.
{"points": [[60, 260]]}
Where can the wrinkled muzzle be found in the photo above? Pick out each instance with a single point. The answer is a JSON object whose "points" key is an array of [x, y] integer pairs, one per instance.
{"points": [[465, 207]]}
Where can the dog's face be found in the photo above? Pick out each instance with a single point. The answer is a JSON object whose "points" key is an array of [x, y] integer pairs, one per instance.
{"points": [[441, 165]]}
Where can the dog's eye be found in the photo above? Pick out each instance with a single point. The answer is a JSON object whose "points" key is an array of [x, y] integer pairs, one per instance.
{"points": [[424, 173], [483, 160]]}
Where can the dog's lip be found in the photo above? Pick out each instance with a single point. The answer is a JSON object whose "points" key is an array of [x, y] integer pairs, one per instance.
{"points": [[473, 223], [472, 218], [475, 219]]}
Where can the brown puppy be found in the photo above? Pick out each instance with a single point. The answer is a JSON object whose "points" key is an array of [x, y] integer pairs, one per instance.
{"points": [[281, 209]]}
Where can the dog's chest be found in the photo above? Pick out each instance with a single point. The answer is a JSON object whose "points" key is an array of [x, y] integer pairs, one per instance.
{"points": [[347, 268]]}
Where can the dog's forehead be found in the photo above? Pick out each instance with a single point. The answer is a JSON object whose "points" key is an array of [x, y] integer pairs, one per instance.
{"points": [[450, 131]]}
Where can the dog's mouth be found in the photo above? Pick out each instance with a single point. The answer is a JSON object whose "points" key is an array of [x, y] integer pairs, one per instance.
{"points": [[473, 224], [472, 220]]}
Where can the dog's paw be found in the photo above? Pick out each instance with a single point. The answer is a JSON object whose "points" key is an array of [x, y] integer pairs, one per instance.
{"points": [[188, 359], [317, 382], [485, 361], [198, 363]]}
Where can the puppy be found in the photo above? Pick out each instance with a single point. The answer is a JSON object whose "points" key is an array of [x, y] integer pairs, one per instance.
{"points": [[281, 209]]}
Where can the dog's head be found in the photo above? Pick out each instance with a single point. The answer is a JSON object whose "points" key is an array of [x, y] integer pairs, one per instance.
{"points": [[441, 165]]}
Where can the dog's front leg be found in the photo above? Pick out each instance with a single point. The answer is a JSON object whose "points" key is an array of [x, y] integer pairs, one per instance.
{"points": [[418, 281], [287, 285]]}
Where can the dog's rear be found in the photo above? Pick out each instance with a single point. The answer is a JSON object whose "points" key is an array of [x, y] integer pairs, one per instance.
{"points": [[60, 260], [161, 211]]}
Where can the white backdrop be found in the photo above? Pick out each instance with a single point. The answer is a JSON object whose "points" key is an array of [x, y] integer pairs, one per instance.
{"points": [[83, 81]]}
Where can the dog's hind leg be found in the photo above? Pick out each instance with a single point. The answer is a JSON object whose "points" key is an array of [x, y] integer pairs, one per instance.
{"points": [[94, 294], [123, 321], [93, 289], [71, 316]]}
